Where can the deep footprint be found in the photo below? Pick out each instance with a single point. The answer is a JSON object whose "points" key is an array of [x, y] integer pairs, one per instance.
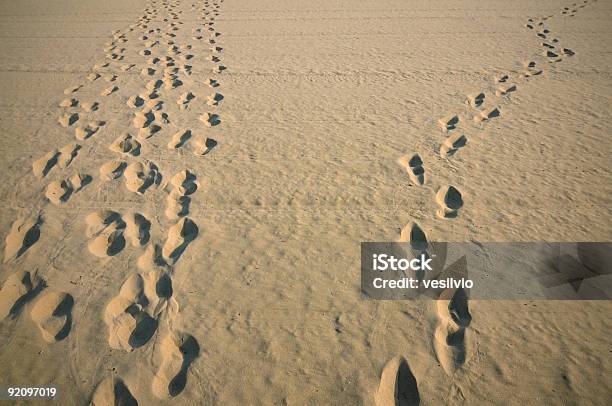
{"points": [[52, 313], [452, 144], [177, 351], [398, 386], [414, 166], [113, 391], [450, 201]]}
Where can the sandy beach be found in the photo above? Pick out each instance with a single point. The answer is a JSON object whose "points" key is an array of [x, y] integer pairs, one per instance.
{"points": [[186, 185]]}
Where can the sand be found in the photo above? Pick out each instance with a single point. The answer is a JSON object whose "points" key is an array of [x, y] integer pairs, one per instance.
{"points": [[186, 185]]}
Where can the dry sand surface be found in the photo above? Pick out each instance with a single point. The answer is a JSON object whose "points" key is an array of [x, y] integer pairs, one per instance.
{"points": [[185, 185]]}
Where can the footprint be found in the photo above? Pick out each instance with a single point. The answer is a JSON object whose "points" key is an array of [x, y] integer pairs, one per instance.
{"points": [[413, 234], [130, 326], [139, 176], [210, 119], [143, 119], [108, 243], [58, 192], [72, 89], [78, 181], [452, 144], [114, 56], [88, 107], [214, 99], [184, 182], [450, 201], [112, 170], [203, 146], [504, 89], [137, 229], [148, 132], [177, 351], [105, 229], [531, 69], [161, 117], [83, 133], [110, 77], [184, 100], [132, 316], [43, 165], [109, 90], [458, 308], [171, 83], [18, 289], [486, 114], [126, 144], [52, 313], [186, 69], [218, 69], [153, 105], [449, 347], [186, 57], [476, 99], [67, 155], [148, 72], [69, 103], [452, 335], [177, 205], [398, 386], [113, 391], [179, 139], [550, 54], [66, 120], [98, 221], [24, 233], [501, 78], [167, 61], [568, 52], [414, 166], [179, 237], [449, 122], [135, 101]]}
